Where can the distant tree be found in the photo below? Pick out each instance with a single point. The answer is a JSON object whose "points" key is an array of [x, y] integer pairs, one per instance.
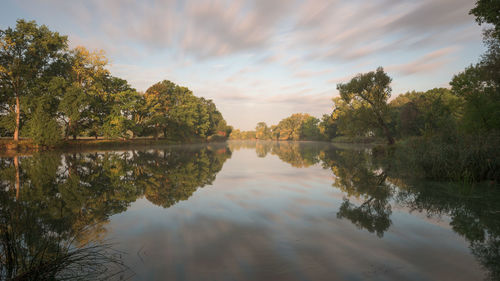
{"points": [[291, 128], [235, 135], [262, 132], [371, 90]]}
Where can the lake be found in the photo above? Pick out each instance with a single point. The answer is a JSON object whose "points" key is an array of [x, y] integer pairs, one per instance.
{"points": [[242, 211]]}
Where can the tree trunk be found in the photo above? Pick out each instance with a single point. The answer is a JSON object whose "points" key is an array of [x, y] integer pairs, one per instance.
{"points": [[156, 131], [387, 132], [390, 139], [68, 129], [18, 119], [18, 181]]}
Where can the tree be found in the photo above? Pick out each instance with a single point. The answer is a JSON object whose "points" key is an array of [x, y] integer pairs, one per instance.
{"points": [[291, 128], [487, 11], [353, 119], [479, 85], [26, 55], [177, 112], [43, 128], [327, 127], [309, 129], [158, 104], [125, 107], [262, 132], [433, 112], [372, 91], [91, 78]]}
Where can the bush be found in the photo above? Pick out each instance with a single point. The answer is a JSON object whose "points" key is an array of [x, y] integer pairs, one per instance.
{"points": [[216, 138], [462, 158], [43, 129]]}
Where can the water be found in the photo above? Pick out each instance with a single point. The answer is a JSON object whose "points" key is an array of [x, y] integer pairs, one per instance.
{"points": [[242, 211]]}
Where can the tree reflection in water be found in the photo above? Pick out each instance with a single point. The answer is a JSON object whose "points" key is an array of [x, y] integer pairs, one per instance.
{"points": [[53, 207], [377, 183]]}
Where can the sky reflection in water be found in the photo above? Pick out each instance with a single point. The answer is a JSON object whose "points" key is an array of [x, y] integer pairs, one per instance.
{"points": [[262, 211]]}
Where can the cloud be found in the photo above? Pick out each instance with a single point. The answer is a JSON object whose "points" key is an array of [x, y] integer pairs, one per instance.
{"points": [[263, 58], [427, 63], [337, 30], [311, 73]]}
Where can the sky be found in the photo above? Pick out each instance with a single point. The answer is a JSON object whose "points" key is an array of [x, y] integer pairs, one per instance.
{"points": [[262, 60]]}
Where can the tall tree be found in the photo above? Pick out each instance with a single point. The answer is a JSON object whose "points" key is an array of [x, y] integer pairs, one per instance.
{"points": [[372, 91], [479, 84], [488, 11], [89, 78], [26, 55]]}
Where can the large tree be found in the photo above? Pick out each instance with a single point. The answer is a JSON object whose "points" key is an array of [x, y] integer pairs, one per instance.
{"points": [[479, 84], [27, 55], [371, 90]]}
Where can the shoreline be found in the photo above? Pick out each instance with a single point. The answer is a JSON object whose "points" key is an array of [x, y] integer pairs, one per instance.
{"points": [[9, 147]]}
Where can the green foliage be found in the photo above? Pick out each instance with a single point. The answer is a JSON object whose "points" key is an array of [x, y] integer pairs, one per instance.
{"points": [[463, 158], [262, 131], [8, 123], [242, 135], [125, 107], [77, 92], [178, 114], [479, 85], [367, 95], [436, 111], [296, 127], [487, 11], [482, 99], [28, 55], [352, 119], [310, 130], [43, 129], [328, 127]]}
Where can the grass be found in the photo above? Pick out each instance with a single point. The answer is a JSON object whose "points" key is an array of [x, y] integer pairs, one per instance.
{"points": [[461, 158]]}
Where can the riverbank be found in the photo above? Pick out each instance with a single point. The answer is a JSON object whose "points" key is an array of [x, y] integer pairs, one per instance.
{"points": [[25, 145], [359, 140]]}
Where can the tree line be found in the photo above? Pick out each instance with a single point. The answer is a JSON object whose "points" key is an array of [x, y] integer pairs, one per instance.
{"points": [[298, 126], [49, 92], [363, 109]]}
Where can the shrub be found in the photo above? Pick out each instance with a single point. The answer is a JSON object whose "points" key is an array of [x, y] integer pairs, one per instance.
{"points": [[462, 158], [43, 129]]}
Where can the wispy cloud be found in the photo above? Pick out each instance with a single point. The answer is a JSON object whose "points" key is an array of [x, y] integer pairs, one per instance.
{"points": [[427, 63], [262, 58]]}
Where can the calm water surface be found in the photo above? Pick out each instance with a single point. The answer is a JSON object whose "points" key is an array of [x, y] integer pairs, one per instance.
{"points": [[243, 211]]}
